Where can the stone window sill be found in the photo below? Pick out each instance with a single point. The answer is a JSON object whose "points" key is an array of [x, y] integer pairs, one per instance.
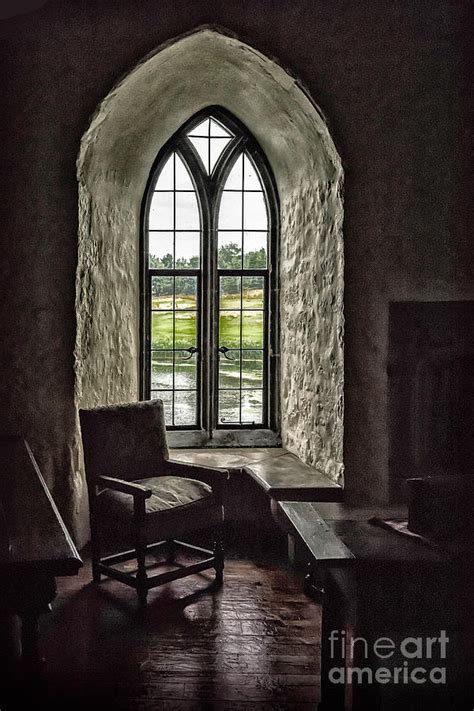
{"points": [[178, 439], [280, 474]]}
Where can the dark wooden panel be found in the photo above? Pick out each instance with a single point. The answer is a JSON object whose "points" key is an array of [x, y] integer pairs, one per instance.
{"points": [[373, 544], [323, 544], [35, 537], [287, 477]]}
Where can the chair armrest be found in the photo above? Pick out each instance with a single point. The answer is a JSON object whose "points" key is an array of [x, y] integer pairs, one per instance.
{"points": [[215, 478], [126, 487]]}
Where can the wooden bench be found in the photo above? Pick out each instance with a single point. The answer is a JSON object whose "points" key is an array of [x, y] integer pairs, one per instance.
{"points": [[280, 474], [376, 584]]}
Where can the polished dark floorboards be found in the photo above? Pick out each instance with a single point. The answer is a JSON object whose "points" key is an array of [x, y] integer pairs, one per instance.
{"points": [[253, 644]]}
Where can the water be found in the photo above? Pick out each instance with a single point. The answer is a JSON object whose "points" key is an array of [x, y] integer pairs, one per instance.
{"points": [[229, 378]]}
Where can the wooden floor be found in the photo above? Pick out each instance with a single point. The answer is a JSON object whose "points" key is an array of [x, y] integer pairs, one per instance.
{"points": [[254, 644]]}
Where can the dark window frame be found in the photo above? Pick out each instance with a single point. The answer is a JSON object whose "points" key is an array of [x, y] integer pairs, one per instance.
{"points": [[209, 189]]}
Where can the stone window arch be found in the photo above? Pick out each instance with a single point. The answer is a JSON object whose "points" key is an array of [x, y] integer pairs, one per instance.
{"points": [[209, 316], [139, 115]]}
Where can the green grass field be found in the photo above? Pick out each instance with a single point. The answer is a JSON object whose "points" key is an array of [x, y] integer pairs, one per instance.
{"points": [[229, 322]]}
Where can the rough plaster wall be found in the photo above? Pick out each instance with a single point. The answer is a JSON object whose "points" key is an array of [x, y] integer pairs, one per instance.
{"points": [[131, 122], [106, 309], [312, 333]]}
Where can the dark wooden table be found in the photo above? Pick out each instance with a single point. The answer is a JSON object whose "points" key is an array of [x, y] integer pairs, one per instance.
{"points": [[35, 545], [374, 583]]}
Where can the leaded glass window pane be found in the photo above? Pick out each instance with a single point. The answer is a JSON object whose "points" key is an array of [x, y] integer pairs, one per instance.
{"points": [[209, 205]]}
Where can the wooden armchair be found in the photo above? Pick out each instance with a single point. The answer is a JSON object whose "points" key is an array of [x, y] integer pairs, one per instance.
{"points": [[138, 495]]}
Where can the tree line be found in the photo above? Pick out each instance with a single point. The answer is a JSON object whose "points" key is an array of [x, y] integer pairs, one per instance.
{"points": [[229, 257]]}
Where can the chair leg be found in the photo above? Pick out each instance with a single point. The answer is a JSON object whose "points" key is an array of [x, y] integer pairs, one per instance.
{"points": [[219, 554], [95, 553], [142, 586], [171, 551], [96, 574]]}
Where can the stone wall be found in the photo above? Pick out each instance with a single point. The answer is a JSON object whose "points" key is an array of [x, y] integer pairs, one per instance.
{"points": [[107, 309], [312, 368]]}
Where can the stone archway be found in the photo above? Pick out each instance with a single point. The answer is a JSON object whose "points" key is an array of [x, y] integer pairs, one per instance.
{"points": [[117, 151]]}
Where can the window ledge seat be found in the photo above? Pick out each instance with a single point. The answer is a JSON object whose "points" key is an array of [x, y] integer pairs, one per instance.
{"points": [[280, 474]]}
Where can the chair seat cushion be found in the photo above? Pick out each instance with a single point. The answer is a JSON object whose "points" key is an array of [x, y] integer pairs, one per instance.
{"points": [[171, 495]]}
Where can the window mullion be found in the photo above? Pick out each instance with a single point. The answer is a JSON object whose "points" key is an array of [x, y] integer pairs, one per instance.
{"points": [[213, 308], [173, 365], [206, 305]]}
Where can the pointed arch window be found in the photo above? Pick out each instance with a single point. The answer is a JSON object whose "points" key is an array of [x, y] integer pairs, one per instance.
{"points": [[209, 277]]}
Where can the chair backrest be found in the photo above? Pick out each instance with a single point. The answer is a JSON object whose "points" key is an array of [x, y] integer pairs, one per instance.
{"points": [[124, 441]]}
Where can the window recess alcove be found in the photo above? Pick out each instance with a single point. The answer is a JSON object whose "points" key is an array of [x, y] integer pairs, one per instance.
{"points": [[133, 125]]}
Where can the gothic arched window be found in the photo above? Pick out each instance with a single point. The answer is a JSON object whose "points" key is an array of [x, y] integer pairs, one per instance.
{"points": [[209, 279]]}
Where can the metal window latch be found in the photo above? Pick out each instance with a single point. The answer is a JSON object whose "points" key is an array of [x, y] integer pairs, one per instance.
{"points": [[191, 352], [224, 351]]}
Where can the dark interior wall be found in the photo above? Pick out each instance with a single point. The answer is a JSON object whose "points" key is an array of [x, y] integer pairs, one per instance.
{"points": [[390, 76]]}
